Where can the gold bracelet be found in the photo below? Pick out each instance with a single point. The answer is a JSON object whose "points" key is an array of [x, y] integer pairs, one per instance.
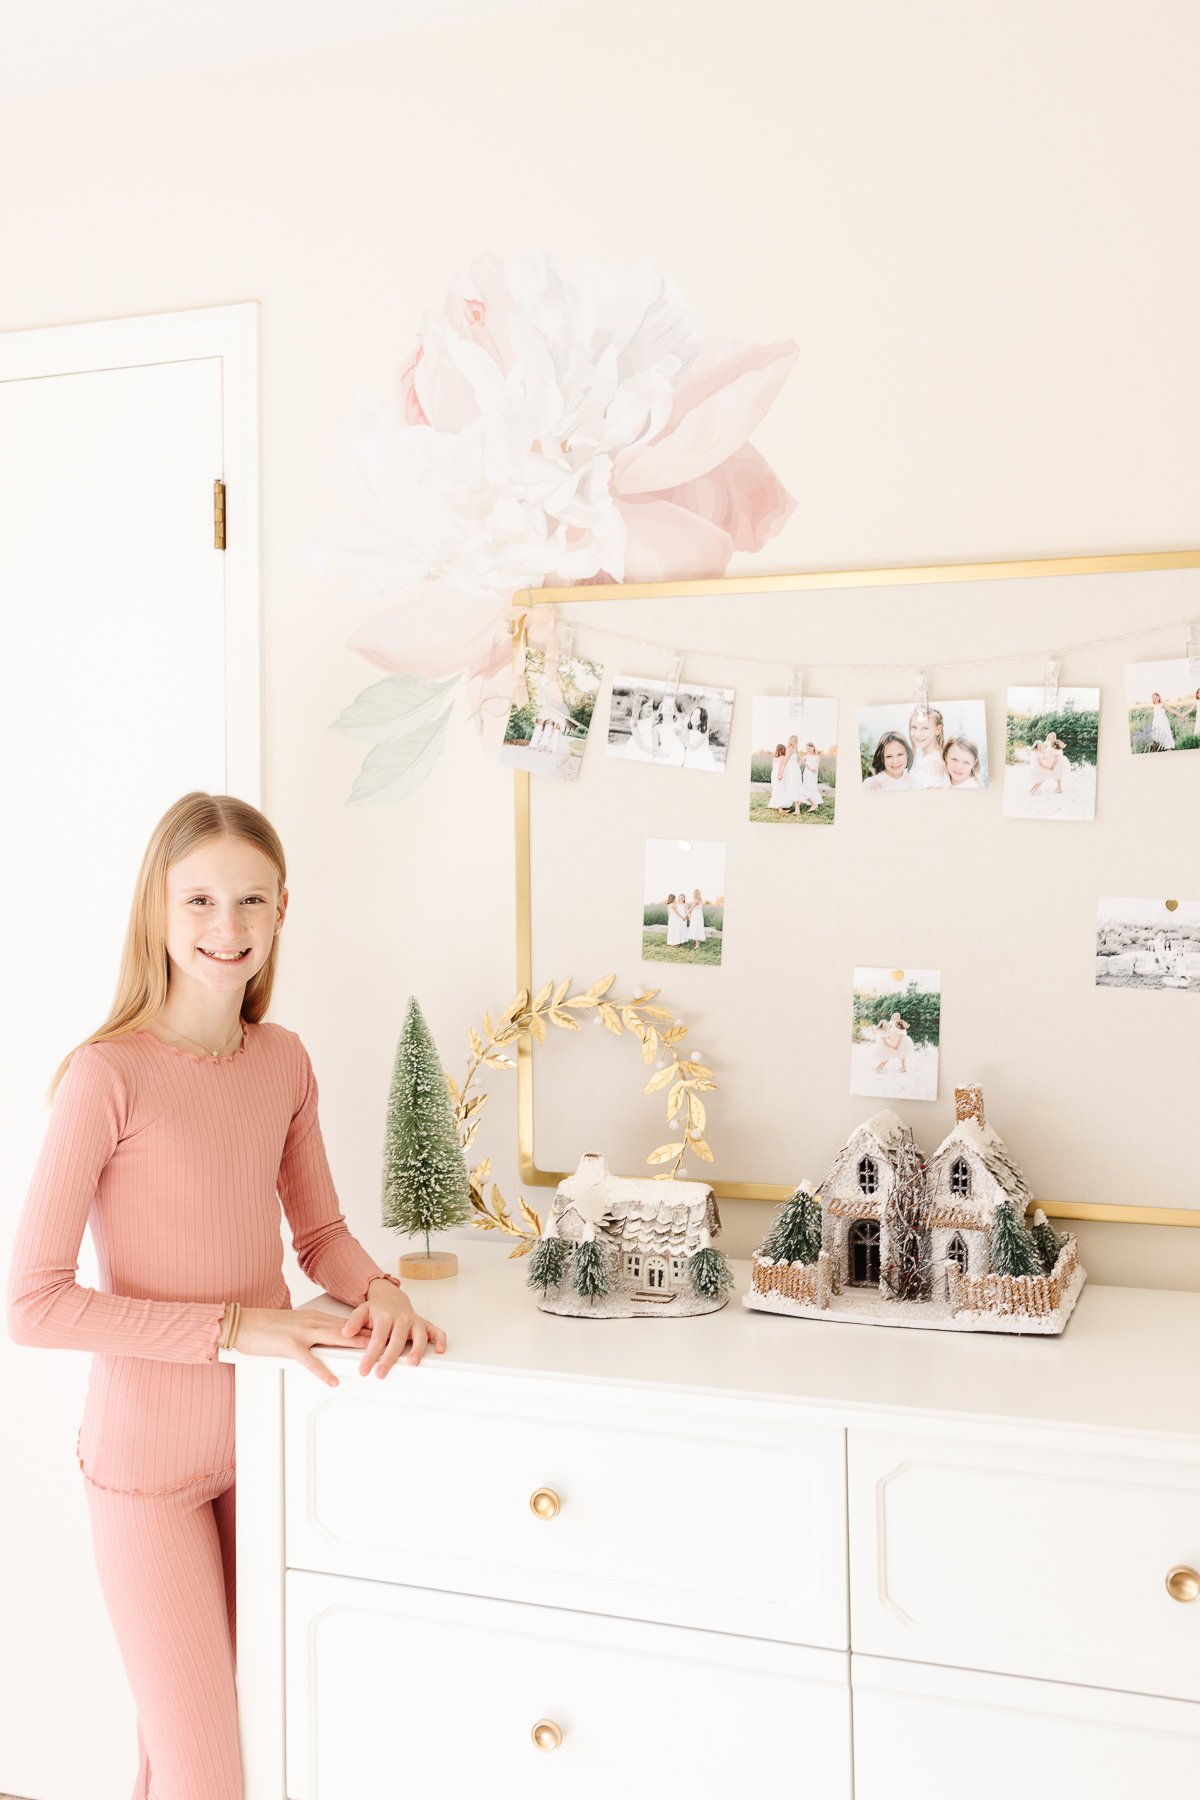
{"points": [[229, 1331]]}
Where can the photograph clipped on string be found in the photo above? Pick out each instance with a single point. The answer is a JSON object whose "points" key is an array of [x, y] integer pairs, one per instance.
{"points": [[1050, 753], [793, 761], [548, 728], [681, 727], [927, 747]]}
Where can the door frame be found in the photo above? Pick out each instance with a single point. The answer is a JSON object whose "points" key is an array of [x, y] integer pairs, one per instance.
{"points": [[229, 334]]}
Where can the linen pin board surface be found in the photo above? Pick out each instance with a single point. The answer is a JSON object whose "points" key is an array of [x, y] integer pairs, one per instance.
{"points": [[998, 909]]}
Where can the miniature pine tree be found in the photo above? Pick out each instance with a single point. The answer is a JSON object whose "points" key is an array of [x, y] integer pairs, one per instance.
{"points": [[1047, 1242], [795, 1231], [547, 1264], [425, 1186], [1013, 1249], [589, 1270], [709, 1273]]}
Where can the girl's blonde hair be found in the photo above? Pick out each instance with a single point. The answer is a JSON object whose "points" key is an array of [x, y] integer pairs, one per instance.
{"points": [[963, 743], [142, 981], [931, 713]]}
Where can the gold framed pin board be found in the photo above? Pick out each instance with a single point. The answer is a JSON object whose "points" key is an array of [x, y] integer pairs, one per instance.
{"points": [[936, 839]]}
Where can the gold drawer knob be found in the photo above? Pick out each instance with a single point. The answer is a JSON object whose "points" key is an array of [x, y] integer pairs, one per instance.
{"points": [[1183, 1584], [547, 1735], [546, 1504]]}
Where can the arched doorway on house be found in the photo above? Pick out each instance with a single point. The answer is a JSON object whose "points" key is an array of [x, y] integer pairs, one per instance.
{"points": [[956, 1252], [862, 1253]]}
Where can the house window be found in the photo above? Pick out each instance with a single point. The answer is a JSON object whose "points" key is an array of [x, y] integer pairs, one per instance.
{"points": [[960, 1177], [956, 1252], [656, 1272], [633, 1264], [678, 1264], [868, 1175], [863, 1247]]}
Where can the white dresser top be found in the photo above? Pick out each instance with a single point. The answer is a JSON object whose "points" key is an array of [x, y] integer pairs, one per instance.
{"points": [[1128, 1362]]}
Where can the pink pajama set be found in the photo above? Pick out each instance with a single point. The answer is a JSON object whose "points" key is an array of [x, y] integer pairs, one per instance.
{"points": [[179, 1164]]}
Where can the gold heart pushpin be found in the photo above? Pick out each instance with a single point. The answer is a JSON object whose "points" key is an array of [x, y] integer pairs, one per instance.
{"points": [[898, 974], [1171, 905]]}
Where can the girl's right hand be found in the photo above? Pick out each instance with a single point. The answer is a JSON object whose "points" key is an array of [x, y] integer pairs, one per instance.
{"points": [[291, 1332]]}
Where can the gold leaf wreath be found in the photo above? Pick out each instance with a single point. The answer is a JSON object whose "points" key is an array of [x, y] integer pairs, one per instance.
{"points": [[660, 1034]]}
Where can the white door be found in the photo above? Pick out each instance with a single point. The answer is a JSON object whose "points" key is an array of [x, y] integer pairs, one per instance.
{"points": [[114, 700]]}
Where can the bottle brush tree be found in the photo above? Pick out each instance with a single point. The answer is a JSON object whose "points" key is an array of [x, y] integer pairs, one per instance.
{"points": [[1047, 1241], [425, 1186], [589, 1270], [794, 1235], [709, 1273], [1013, 1249], [547, 1263]]}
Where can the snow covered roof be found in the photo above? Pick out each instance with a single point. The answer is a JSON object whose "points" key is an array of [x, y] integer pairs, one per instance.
{"points": [[986, 1146], [884, 1135], [642, 1213]]}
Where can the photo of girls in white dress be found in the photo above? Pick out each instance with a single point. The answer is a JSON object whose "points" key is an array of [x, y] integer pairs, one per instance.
{"points": [[1148, 944], [684, 728], [683, 907], [940, 747], [1050, 753], [793, 763], [1163, 699], [546, 734], [894, 1033]]}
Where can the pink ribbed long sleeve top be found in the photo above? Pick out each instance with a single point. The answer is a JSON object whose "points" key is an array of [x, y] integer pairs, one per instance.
{"points": [[179, 1164]]}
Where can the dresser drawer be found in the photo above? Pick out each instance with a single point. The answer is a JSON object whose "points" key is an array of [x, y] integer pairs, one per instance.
{"points": [[1026, 1561], [428, 1479], [924, 1733], [404, 1690]]}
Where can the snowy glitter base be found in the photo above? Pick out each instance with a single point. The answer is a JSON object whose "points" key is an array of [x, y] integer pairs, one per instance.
{"points": [[627, 1306], [867, 1306]]}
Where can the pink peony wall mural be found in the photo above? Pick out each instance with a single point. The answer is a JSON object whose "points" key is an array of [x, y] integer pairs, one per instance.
{"points": [[548, 428]]}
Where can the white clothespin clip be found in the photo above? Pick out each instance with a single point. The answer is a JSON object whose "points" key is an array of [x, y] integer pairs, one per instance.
{"points": [[1050, 684], [1193, 651], [921, 694], [672, 682], [796, 696]]}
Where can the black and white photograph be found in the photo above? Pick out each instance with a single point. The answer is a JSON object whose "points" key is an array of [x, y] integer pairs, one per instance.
{"points": [[1050, 753], [793, 761], [1162, 702], [684, 727], [895, 1030], [683, 901], [1148, 944], [547, 731], [940, 746]]}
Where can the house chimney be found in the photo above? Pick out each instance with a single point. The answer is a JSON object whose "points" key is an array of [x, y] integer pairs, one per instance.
{"points": [[968, 1104]]}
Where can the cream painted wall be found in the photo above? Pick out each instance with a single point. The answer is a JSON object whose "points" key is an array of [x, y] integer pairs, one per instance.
{"points": [[973, 215]]}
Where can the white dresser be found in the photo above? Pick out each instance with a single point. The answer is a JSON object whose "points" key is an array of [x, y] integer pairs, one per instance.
{"points": [[733, 1553]]}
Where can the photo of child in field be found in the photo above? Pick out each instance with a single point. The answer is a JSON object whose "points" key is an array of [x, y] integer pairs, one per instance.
{"points": [[1050, 753], [545, 735], [905, 748], [894, 1033], [793, 765], [1163, 701], [683, 906]]}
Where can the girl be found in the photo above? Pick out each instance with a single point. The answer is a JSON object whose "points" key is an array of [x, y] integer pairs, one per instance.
{"points": [[779, 801], [893, 1035], [793, 775], [697, 932], [962, 762], [695, 739], [810, 779], [892, 763], [1161, 735], [926, 730], [641, 724], [676, 921], [1049, 763], [180, 1124]]}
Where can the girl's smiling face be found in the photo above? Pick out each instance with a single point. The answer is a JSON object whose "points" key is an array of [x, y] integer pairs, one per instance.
{"points": [[960, 764], [920, 730], [223, 903], [895, 758]]}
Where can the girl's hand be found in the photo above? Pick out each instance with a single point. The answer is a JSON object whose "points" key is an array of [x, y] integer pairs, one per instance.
{"points": [[290, 1332], [388, 1315]]}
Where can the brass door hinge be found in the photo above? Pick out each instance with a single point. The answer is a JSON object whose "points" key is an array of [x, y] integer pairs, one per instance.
{"points": [[218, 515]]}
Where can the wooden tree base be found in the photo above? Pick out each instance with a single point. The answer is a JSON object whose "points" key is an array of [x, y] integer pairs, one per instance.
{"points": [[434, 1267]]}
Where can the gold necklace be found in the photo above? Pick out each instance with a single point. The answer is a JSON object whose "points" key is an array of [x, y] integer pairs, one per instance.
{"points": [[214, 1054]]}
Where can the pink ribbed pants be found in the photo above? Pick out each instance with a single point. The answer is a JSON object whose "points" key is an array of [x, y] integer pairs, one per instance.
{"points": [[166, 1567]]}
